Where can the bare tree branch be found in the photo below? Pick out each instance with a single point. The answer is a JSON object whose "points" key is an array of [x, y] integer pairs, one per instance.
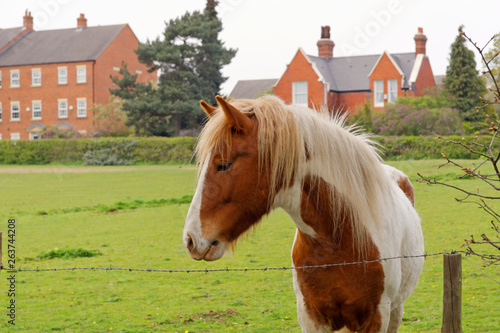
{"points": [[490, 157]]}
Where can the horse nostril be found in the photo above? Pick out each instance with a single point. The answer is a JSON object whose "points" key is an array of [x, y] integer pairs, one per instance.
{"points": [[190, 244], [215, 243]]}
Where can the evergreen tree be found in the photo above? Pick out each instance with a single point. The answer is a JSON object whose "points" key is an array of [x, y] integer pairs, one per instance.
{"points": [[189, 59], [493, 55], [463, 82]]}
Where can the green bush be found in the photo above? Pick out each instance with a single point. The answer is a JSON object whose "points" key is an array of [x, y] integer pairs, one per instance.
{"points": [[110, 152]]}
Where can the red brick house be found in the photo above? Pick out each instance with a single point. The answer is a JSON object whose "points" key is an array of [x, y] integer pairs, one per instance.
{"points": [[54, 77], [347, 83]]}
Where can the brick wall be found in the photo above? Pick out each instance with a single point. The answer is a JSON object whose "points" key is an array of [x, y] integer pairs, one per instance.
{"points": [[108, 63], [48, 93], [350, 101], [425, 77], [95, 90]]}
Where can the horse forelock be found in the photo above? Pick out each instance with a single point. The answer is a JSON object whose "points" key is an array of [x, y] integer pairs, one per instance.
{"points": [[277, 138]]}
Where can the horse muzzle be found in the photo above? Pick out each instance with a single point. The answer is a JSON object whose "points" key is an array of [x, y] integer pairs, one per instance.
{"points": [[204, 250]]}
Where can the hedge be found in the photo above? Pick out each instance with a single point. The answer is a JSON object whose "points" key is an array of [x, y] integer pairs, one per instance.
{"points": [[426, 147], [123, 151], [101, 151]]}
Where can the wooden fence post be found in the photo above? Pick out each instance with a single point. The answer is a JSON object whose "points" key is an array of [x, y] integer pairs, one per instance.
{"points": [[452, 293]]}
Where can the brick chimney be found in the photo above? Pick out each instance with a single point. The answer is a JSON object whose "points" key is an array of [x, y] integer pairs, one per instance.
{"points": [[28, 20], [81, 22], [325, 44], [420, 40]]}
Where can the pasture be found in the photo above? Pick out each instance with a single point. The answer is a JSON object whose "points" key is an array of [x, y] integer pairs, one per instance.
{"points": [[61, 207]]}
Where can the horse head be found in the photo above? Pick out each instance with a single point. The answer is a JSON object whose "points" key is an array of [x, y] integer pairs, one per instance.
{"points": [[231, 195]]}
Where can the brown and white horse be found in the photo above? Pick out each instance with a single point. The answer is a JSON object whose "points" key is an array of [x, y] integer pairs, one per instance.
{"points": [[258, 155]]}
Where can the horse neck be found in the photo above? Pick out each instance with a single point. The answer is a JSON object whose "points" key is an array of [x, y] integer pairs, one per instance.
{"points": [[309, 204], [339, 162]]}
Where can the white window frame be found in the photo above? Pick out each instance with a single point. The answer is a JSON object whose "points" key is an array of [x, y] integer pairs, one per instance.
{"points": [[36, 77], [15, 82], [62, 112], [378, 93], [35, 110], [15, 136], [81, 74], [62, 75], [12, 111], [81, 110], [392, 87], [300, 93]]}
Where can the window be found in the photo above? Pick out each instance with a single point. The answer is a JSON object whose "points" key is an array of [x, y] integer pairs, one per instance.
{"points": [[36, 77], [299, 93], [81, 107], [37, 110], [392, 87], [63, 108], [378, 87], [62, 75], [15, 136], [15, 113], [14, 78], [81, 74], [0, 79]]}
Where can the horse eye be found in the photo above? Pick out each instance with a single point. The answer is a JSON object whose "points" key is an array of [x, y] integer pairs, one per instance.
{"points": [[224, 166]]}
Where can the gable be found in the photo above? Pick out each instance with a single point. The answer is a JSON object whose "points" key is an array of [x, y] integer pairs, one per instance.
{"points": [[382, 61], [301, 68]]}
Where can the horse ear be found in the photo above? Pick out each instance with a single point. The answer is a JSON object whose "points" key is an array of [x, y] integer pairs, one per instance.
{"points": [[238, 120], [209, 110]]}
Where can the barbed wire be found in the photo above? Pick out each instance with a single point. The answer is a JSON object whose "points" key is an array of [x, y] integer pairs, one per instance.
{"points": [[206, 270]]}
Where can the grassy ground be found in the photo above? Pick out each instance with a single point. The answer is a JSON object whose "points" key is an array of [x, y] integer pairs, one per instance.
{"points": [[56, 210]]}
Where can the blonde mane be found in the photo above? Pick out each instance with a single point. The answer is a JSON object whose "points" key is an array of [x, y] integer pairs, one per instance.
{"points": [[295, 142]]}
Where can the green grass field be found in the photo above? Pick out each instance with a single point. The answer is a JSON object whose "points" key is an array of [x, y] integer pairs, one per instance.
{"points": [[56, 209]]}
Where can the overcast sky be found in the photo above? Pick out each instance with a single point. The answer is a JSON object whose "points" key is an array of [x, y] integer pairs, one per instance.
{"points": [[267, 33]]}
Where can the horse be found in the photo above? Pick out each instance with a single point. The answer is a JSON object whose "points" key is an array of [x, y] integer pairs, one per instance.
{"points": [[348, 206]]}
